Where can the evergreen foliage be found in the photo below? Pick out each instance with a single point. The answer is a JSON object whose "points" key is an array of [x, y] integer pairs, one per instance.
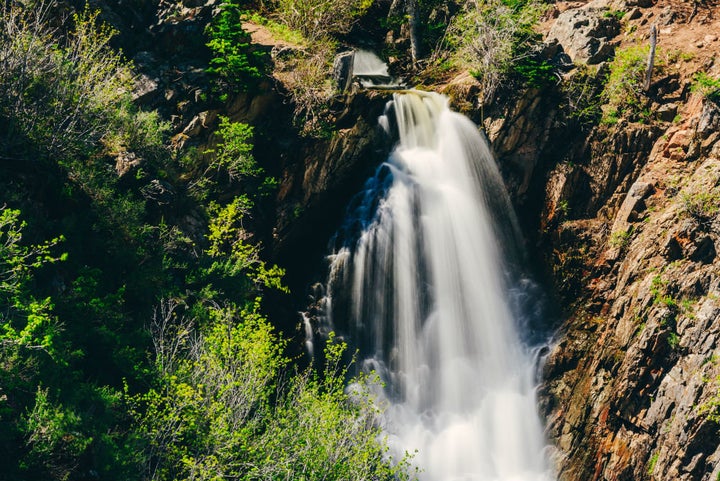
{"points": [[237, 66]]}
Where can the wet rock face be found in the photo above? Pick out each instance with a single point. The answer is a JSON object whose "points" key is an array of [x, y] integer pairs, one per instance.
{"points": [[320, 177], [519, 136]]}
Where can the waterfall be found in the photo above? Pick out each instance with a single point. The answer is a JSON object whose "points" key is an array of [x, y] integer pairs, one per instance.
{"points": [[367, 63], [370, 71], [420, 284]]}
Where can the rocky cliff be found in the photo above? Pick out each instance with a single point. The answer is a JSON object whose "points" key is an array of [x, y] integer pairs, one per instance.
{"points": [[624, 216], [631, 231]]}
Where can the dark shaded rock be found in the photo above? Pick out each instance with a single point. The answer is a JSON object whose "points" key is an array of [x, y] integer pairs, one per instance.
{"points": [[159, 191], [633, 14], [342, 70], [667, 112], [703, 250], [183, 37], [321, 177], [146, 89], [639, 3], [672, 250]]}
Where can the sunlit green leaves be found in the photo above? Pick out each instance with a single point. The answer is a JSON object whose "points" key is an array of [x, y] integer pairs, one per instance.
{"points": [[235, 64], [26, 321], [231, 409]]}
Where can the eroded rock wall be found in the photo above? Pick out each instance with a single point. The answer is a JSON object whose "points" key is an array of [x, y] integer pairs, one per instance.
{"points": [[632, 233], [632, 382]]}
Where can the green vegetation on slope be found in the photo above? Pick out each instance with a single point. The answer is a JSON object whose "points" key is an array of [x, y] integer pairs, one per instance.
{"points": [[494, 40], [132, 344]]}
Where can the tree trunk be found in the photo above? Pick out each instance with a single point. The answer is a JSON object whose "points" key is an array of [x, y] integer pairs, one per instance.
{"points": [[411, 6], [651, 58]]}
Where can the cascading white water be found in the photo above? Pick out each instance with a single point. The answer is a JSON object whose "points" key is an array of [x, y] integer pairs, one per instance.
{"points": [[367, 63], [422, 291]]}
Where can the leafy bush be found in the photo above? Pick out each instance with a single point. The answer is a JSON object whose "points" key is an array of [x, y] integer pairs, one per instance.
{"points": [[54, 436], [581, 94], [491, 37], [64, 97], [319, 20], [620, 239], [232, 161], [225, 408], [710, 408], [704, 206], [234, 151], [306, 74], [652, 462], [26, 321]]}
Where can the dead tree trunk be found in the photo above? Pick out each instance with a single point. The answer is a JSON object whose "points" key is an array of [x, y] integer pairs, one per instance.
{"points": [[411, 13], [651, 58], [414, 28]]}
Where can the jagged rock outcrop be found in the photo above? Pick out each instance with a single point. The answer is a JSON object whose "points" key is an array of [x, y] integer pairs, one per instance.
{"points": [[520, 135], [632, 386], [586, 33], [631, 224]]}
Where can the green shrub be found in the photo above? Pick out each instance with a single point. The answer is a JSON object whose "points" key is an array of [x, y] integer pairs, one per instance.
{"points": [[621, 239], [581, 95], [707, 86], [227, 407], [319, 20], [492, 38], [306, 74], [63, 97], [710, 408], [54, 437], [652, 463], [623, 92], [703, 206], [231, 161], [237, 66], [27, 322], [534, 73], [234, 151], [619, 14]]}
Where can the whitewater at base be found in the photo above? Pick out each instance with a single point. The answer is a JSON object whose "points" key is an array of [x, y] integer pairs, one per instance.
{"points": [[419, 284]]}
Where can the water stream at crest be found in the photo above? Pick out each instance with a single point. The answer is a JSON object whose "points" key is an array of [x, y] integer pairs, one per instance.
{"points": [[419, 283]]}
